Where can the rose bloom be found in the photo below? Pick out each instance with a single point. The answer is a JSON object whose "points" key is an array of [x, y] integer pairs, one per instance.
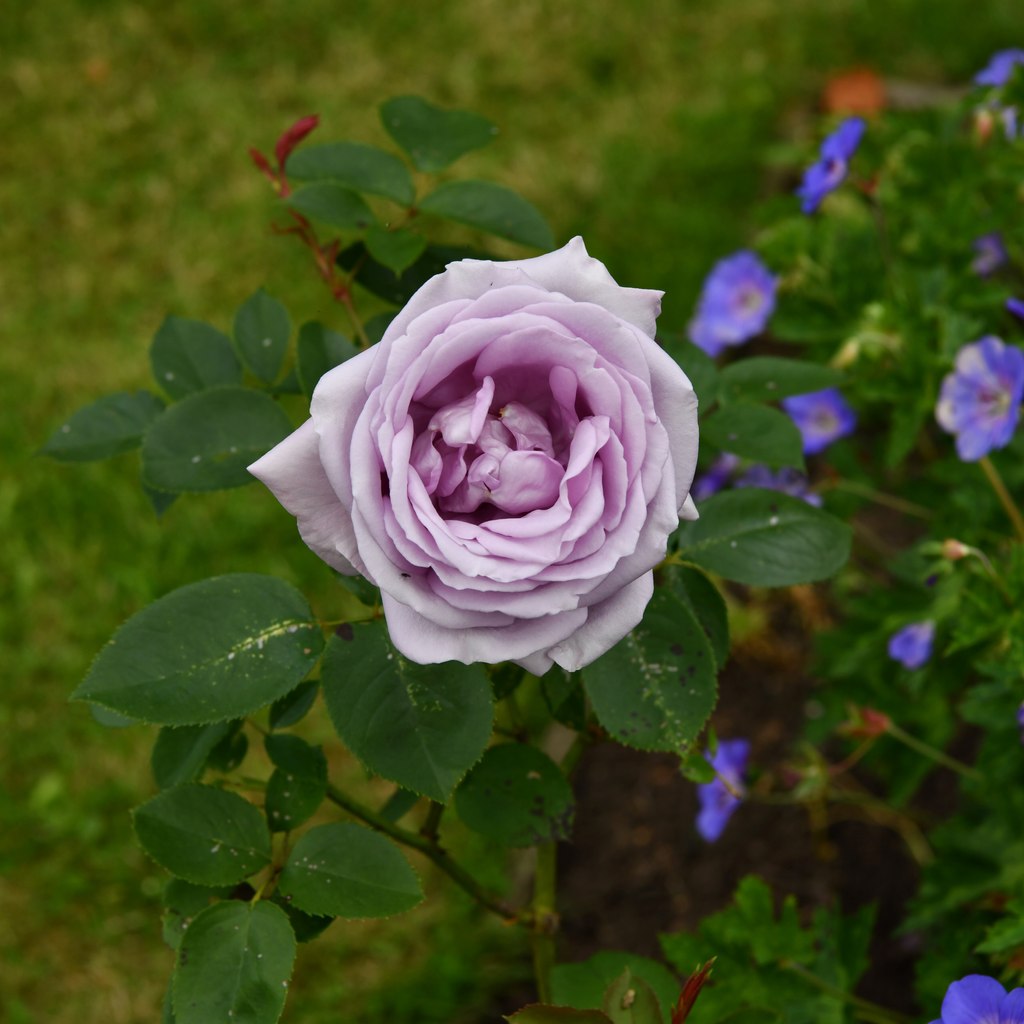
{"points": [[506, 465]]}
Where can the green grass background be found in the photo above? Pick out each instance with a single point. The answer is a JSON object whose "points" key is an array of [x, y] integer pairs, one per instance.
{"points": [[650, 127]]}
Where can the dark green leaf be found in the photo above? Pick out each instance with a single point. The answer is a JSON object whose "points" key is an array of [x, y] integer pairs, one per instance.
{"points": [[360, 167], [375, 327], [362, 589], [422, 726], [344, 870], [189, 356], [293, 707], [206, 441], [398, 289], [656, 688], [630, 1000], [111, 425], [702, 597], [516, 796], [584, 984], [111, 719], [765, 538], [320, 349], [396, 249], [491, 208], [698, 366], [332, 204], [538, 1014], [755, 432], [505, 679], [262, 329], [234, 965], [180, 753], [182, 902], [566, 700], [434, 137], [399, 804], [769, 378], [306, 926], [231, 751], [298, 786], [207, 652], [203, 834], [160, 501]]}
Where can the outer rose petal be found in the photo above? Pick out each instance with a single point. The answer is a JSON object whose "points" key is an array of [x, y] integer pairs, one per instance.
{"points": [[294, 473]]}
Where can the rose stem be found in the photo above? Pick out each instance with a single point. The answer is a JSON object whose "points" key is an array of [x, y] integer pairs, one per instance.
{"points": [[1003, 495], [545, 918], [438, 856]]}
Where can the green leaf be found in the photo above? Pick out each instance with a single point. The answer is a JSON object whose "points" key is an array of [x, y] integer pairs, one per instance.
{"points": [[203, 834], [182, 902], [755, 432], [109, 426], [630, 1000], [358, 166], [765, 538], [189, 356], [422, 726], [584, 984], [362, 590], [656, 688], [234, 965], [703, 599], [347, 871], [399, 804], [539, 1014], [299, 784], [566, 700], [491, 208], [206, 442], [231, 751], [320, 349], [516, 796], [769, 378], [207, 652], [332, 204], [306, 926], [697, 365], [262, 329], [293, 706], [110, 719], [180, 753], [395, 249], [434, 137]]}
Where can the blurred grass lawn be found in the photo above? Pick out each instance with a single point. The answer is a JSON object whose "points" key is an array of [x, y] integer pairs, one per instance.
{"points": [[126, 194]]}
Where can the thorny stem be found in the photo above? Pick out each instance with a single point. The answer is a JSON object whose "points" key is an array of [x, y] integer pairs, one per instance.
{"points": [[545, 918], [865, 1009], [938, 756], [1009, 505], [430, 850]]}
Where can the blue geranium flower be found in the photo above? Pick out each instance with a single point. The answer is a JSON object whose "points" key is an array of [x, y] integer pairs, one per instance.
{"points": [[980, 400], [999, 68], [830, 169], [786, 480], [821, 417], [1016, 307], [978, 999], [737, 299], [990, 254], [911, 646], [717, 803]]}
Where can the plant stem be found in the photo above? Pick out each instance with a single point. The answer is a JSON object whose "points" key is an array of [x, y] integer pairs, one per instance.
{"points": [[545, 919], [938, 756], [429, 828], [1003, 495], [430, 850], [908, 508], [865, 1009]]}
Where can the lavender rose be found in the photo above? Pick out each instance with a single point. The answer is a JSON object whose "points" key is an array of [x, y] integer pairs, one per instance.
{"points": [[506, 464]]}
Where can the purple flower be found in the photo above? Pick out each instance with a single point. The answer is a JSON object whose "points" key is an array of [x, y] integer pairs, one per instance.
{"points": [[717, 476], [978, 999], [999, 68], [990, 254], [911, 646], [1020, 721], [980, 399], [737, 299], [716, 801], [786, 480], [829, 171], [821, 417], [507, 463], [1016, 307]]}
